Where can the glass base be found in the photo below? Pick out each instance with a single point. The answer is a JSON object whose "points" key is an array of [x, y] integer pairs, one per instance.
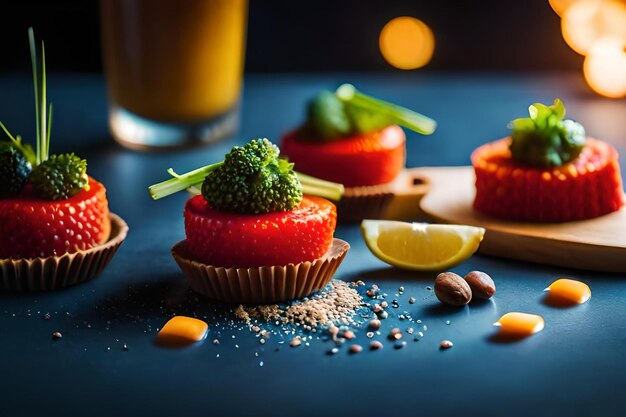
{"points": [[136, 132]]}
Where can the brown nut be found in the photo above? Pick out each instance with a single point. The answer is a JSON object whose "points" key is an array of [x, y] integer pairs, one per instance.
{"points": [[481, 284], [452, 289]]}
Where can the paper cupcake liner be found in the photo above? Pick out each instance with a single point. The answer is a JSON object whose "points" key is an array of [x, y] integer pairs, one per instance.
{"points": [[54, 272], [262, 285], [398, 200]]}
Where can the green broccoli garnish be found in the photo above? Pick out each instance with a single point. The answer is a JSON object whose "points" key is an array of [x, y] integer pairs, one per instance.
{"points": [[346, 112], [60, 177], [544, 139], [327, 118], [251, 179], [14, 170]]}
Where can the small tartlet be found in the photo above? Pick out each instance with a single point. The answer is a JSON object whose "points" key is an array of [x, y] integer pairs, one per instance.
{"points": [[356, 140], [550, 172], [253, 236], [55, 226]]}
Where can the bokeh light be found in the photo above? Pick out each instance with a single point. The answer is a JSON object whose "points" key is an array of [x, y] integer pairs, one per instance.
{"points": [[586, 21], [560, 6], [407, 43], [605, 67]]}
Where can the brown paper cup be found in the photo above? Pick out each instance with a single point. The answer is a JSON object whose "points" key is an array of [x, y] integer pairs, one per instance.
{"points": [[398, 199], [366, 202], [54, 272], [262, 285]]}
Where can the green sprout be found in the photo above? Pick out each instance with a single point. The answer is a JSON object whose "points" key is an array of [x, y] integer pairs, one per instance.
{"points": [[545, 139]]}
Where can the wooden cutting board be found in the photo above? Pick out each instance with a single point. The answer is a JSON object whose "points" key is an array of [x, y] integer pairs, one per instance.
{"points": [[597, 244]]}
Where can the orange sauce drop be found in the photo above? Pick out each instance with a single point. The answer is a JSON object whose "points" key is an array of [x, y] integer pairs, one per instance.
{"points": [[182, 331], [519, 324], [565, 292]]}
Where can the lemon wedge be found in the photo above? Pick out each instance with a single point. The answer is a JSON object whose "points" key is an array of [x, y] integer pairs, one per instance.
{"points": [[421, 246]]}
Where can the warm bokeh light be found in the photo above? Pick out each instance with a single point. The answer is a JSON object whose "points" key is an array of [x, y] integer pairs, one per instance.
{"points": [[407, 43], [560, 6], [605, 67], [586, 21]]}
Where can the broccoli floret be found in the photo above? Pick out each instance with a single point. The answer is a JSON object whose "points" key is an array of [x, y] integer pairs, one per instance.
{"points": [[252, 157], [253, 179], [60, 177], [14, 170]]}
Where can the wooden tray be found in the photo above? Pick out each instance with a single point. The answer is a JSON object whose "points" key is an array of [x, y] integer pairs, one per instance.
{"points": [[597, 244]]}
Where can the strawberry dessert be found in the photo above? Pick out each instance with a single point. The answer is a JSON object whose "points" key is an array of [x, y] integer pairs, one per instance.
{"points": [[352, 138], [49, 208], [548, 170], [260, 223], [356, 140]]}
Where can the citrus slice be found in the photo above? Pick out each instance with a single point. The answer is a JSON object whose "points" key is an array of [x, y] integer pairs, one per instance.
{"points": [[421, 246]]}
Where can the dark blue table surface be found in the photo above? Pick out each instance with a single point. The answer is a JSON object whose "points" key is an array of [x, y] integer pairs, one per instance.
{"points": [[574, 367]]}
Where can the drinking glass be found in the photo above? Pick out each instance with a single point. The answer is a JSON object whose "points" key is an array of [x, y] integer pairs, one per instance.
{"points": [[173, 69]]}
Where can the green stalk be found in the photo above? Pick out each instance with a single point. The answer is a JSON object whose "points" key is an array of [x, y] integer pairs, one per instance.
{"points": [[396, 114], [33, 59], [44, 132], [43, 120], [320, 188], [193, 180], [180, 182], [49, 129]]}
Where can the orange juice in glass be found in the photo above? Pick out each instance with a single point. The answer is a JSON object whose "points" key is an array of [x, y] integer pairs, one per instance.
{"points": [[173, 69]]}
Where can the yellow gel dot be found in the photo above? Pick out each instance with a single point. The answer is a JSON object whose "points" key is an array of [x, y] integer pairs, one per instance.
{"points": [[570, 290], [181, 330], [520, 324]]}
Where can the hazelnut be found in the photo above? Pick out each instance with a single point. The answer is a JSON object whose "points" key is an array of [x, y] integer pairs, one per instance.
{"points": [[452, 289], [481, 284]]}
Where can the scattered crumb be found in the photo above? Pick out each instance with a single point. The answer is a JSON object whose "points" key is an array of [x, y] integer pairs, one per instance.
{"points": [[445, 344], [296, 341], [355, 348], [375, 345], [336, 304]]}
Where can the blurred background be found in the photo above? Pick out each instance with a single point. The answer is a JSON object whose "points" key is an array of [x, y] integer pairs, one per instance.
{"points": [[322, 35], [342, 35]]}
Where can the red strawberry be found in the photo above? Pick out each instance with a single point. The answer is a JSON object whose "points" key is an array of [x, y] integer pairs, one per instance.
{"points": [[31, 228], [587, 187], [251, 240], [367, 159]]}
